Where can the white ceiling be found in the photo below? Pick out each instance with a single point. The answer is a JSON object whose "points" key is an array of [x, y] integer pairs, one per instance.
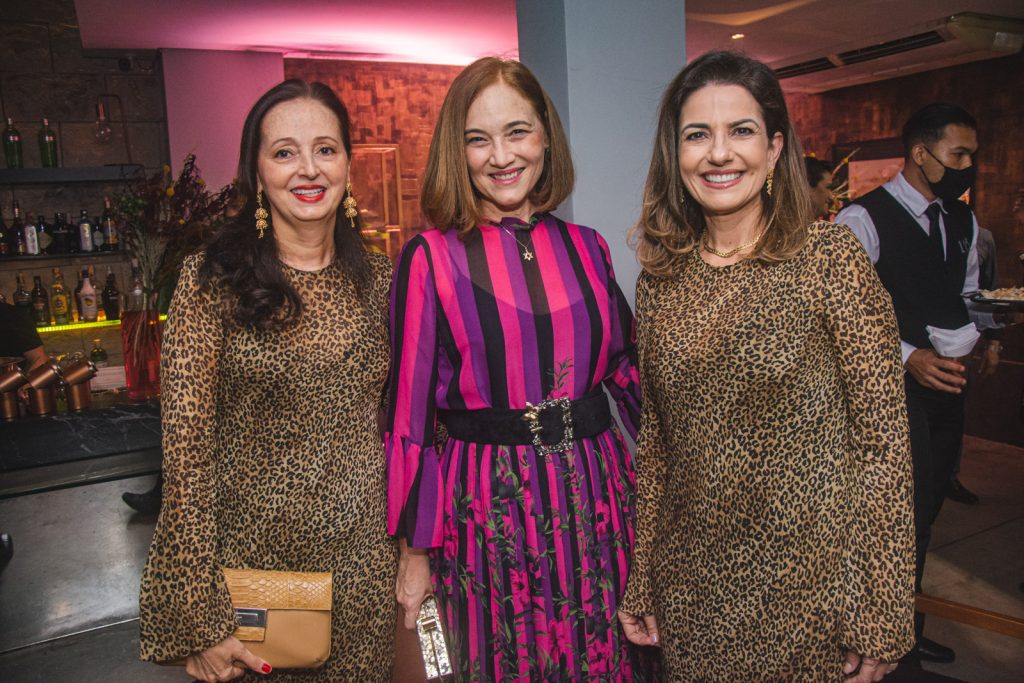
{"points": [[778, 32], [781, 33]]}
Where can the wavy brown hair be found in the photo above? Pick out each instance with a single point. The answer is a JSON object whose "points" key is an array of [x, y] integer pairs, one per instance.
{"points": [[448, 198], [247, 266], [671, 221]]}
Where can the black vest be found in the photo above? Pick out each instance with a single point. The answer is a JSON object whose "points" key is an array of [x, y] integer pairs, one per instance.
{"points": [[924, 290]]}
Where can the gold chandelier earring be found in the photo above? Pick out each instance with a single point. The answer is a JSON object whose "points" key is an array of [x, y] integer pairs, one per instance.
{"points": [[769, 180], [261, 214], [350, 205]]}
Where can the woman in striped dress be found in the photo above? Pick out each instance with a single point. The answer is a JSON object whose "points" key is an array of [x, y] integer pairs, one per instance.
{"points": [[506, 322]]}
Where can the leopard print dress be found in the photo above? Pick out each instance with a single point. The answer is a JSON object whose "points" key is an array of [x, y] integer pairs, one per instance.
{"points": [[774, 526], [273, 460]]}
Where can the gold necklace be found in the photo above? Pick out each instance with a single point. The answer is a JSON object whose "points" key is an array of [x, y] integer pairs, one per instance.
{"points": [[526, 254], [732, 252]]}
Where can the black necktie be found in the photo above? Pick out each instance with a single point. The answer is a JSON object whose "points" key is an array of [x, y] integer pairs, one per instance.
{"points": [[934, 230]]}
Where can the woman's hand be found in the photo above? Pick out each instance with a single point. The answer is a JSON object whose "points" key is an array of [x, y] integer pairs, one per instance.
{"points": [[865, 669], [413, 584], [217, 664], [640, 630]]}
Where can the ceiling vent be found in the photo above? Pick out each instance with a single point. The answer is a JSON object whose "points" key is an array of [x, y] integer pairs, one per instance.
{"points": [[955, 40]]}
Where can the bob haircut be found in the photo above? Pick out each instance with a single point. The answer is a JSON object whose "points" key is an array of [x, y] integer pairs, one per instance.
{"points": [[671, 221], [247, 266], [448, 198]]}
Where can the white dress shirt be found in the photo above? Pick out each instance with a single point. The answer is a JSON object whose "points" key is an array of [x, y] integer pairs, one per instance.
{"points": [[859, 221]]}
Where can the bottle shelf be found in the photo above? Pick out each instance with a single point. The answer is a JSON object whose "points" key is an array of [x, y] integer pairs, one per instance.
{"points": [[84, 326], [76, 255], [81, 174]]}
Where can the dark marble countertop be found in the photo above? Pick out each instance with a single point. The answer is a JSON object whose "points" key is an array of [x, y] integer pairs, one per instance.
{"points": [[39, 441]]}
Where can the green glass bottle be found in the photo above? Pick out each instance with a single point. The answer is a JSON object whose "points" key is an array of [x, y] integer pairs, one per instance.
{"points": [[47, 145], [98, 355], [12, 146]]}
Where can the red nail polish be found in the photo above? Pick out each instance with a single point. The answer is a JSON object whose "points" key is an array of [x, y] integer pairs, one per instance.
{"points": [[266, 668]]}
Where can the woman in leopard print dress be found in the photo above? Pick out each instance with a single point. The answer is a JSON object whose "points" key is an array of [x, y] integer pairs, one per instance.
{"points": [[774, 527], [274, 361]]}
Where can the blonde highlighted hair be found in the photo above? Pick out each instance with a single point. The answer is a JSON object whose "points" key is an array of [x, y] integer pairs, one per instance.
{"points": [[448, 198], [671, 221]]}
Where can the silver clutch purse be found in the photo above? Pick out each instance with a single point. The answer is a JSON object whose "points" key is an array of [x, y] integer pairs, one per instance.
{"points": [[436, 662]]}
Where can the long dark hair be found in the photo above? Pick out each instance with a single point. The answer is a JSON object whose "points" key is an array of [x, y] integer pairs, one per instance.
{"points": [[671, 221], [247, 266]]}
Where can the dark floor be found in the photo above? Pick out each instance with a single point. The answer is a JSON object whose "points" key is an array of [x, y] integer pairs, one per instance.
{"points": [[68, 599]]}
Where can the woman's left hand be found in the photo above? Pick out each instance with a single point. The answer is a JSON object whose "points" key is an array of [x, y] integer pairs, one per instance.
{"points": [[865, 669], [641, 631]]}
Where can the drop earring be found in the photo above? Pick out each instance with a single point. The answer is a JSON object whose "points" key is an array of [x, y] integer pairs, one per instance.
{"points": [[261, 214], [350, 205], [769, 181]]}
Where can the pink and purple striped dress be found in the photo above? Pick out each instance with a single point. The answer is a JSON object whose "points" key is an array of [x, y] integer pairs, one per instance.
{"points": [[530, 552]]}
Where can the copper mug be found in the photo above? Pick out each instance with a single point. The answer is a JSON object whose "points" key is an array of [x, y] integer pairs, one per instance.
{"points": [[42, 397], [77, 377], [10, 381], [42, 401]]}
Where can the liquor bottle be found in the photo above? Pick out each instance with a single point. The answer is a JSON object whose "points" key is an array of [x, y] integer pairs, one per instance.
{"points": [[12, 145], [76, 296], [4, 246], [74, 242], [40, 303], [16, 235], [59, 299], [31, 238], [85, 232], [111, 297], [98, 355], [90, 309], [62, 237], [44, 235], [22, 297], [47, 145], [137, 296], [111, 238]]}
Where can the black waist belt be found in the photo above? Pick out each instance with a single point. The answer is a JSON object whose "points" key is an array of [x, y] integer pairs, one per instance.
{"points": [[551, 425]]}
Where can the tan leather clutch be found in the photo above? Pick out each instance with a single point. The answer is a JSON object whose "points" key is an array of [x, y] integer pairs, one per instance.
{"points": [[283, 617]]}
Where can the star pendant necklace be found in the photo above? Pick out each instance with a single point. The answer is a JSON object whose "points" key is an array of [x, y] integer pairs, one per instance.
{"points": [[526, 253]]}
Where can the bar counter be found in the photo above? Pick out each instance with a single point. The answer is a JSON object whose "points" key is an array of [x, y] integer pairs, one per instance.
{"points": [[58, 451]]}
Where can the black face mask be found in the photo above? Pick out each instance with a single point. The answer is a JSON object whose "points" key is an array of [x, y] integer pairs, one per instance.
{"points": [[954, 181]]}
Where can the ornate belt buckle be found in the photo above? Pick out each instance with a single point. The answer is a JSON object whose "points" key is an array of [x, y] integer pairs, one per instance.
{"points": [[532, 417]]}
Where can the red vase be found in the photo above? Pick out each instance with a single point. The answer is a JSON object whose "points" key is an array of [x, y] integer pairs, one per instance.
{"points": [[140, 337]]}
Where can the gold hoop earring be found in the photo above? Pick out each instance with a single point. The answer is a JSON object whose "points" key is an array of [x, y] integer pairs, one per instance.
{"points": [[261, 214], [769, 180], [350, 205]]}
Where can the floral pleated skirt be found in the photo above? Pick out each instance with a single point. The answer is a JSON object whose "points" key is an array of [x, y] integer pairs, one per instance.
{"points": [[534, 561]]}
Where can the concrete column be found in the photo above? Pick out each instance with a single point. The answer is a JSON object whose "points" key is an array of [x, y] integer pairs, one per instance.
{"points": [[208, 94], [605, 64]]}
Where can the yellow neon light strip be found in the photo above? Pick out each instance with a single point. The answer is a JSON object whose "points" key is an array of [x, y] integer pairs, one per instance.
{"points": [[84, 326]]}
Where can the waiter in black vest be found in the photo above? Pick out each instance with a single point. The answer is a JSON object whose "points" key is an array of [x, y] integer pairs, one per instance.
{"points": [[923, 242]]}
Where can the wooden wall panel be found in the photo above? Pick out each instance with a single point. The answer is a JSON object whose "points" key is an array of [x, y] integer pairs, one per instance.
{"points": [[389, 103]]}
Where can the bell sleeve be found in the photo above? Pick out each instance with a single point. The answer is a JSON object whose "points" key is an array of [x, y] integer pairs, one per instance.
{"points": [[651, 470], [877, 617], [623, 378], [184, 605], [415, 486]]}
